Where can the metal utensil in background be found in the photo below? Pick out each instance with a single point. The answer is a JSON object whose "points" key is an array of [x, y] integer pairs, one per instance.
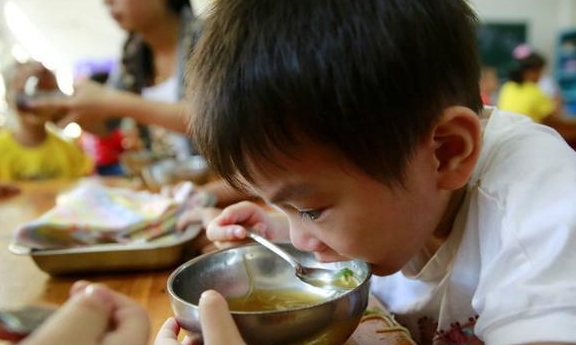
{"points": [[17, 324]]}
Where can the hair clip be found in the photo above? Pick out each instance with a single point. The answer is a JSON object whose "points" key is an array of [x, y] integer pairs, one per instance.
{"points": [[521, 51]]}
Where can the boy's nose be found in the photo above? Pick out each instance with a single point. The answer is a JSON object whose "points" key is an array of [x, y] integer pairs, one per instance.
{"points": [[304, 241]]}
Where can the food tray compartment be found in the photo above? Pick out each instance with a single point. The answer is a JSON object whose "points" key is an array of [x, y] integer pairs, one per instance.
{"points": [[159, 253]]}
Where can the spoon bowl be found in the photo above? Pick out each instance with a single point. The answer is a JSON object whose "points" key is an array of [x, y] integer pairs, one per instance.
{"points": [[319, 277]]}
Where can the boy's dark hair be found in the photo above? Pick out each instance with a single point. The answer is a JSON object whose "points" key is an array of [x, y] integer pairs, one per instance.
{"points": [[368, 78]]}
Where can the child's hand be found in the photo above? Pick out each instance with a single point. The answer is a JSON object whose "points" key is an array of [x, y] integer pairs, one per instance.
{"points": [[94, 315], [168, 335], [229, 228], [218, 327]]}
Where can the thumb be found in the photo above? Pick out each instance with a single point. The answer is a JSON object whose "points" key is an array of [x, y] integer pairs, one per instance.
{"points": [[218, 327], [70, 117], [81, 320]]}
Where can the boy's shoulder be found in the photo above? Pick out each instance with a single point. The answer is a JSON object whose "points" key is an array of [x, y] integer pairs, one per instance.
{"points": [[502, 125], [512, 143]]}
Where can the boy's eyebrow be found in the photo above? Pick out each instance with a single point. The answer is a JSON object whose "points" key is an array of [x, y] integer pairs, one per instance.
{"points": [[290, 191]]}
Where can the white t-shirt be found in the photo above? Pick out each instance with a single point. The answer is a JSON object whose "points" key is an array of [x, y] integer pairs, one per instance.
{"points": [[163, 139], [507, 273]]}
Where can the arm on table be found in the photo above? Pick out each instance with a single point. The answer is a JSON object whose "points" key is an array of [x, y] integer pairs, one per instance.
{"points": [[92, 103]]}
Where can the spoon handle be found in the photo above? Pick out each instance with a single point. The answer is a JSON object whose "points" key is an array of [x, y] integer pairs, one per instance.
{"points": [[268, 244]]}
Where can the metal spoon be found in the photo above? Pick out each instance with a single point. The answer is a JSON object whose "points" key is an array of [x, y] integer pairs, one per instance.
{"points": [[318, 277], [17, 324]]}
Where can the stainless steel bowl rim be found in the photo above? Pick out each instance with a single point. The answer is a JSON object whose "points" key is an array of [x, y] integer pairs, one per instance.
{"points": [[185, 265]]}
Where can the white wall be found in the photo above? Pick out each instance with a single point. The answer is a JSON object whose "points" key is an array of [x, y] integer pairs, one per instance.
{"points": [[545, 18]]}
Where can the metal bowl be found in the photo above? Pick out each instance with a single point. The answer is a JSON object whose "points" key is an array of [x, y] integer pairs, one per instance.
{"points": [[236, 272]]}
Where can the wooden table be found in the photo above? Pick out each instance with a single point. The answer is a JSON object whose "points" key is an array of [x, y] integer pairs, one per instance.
{"points": [[22, 283]]}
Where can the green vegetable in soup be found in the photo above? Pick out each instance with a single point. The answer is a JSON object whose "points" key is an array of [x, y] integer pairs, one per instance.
{"points": [[346, 279]]}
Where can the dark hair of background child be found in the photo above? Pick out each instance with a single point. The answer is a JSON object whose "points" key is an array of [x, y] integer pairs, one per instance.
{"points": [[532, 62]]}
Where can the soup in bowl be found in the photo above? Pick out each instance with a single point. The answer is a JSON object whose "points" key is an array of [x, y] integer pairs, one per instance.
{"points": [[269, 304]]}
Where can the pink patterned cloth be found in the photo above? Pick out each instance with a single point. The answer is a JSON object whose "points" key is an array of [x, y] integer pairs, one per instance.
{"points": [[92, 213]]}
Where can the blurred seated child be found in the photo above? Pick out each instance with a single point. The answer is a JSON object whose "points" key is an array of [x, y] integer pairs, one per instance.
{"points": [[524, 94], [29, 149], [105, 151], [106, 147], [521, 93], [488, 84]]}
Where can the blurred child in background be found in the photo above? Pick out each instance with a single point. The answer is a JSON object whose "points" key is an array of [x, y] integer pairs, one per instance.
{"points": [[106, 148], [521, 93], [488, 84], [524, 93], [28, 149]]}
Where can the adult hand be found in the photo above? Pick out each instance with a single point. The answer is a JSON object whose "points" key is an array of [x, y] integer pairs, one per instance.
{"points": [[229, 228], [218, 327], [94, 315], [87, 106]]}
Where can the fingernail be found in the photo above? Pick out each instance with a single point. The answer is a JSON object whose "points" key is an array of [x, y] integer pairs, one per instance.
{"points": [[100, 293], [207, 294], [239, 232], [204, 294], [79, 286]]}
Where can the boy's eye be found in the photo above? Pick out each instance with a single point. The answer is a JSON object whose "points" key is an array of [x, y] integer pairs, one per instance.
{"points": [[310, 214]]}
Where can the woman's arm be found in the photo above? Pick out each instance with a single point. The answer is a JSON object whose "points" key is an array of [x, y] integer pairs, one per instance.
{"points": [[92, 103]]}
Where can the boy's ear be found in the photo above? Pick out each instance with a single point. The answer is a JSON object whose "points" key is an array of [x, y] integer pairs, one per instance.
{"points": [[457, 142]]}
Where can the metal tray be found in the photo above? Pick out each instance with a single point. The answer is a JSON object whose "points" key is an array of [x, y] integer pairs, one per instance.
{"points": [[158, 253]]}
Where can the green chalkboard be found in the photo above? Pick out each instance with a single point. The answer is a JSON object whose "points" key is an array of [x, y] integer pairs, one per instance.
{"points": [[496, 41]]}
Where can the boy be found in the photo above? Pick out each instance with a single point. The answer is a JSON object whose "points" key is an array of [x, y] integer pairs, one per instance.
{"points": [[29, 151], [361, 121]]}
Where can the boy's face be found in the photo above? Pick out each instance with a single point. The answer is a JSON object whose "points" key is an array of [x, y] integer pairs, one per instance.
{"points": [[338, 212]]}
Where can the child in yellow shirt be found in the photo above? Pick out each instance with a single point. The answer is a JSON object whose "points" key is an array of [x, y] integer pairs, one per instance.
{"points": [[29, 150], [521, 93]]}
